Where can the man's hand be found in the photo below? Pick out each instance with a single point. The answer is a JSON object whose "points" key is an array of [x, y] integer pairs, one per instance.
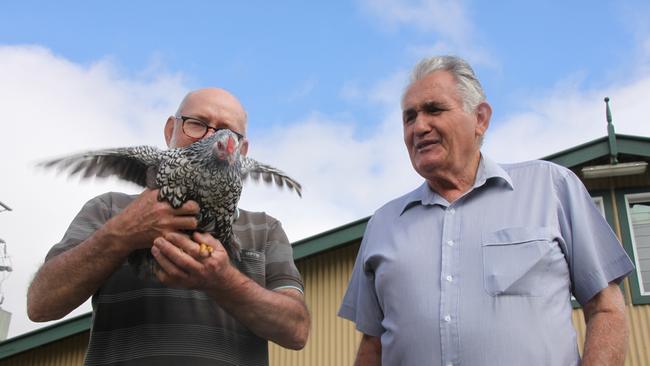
{"points": [[280, 316], [146, 218], [188, 263]]}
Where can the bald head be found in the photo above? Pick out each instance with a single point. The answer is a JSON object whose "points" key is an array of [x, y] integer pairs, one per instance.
{"points": [[214, 106], [212, 98]]}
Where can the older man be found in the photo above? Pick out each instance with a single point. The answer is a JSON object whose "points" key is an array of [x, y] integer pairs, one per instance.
{"points": [[203, 311], [477, 265]]}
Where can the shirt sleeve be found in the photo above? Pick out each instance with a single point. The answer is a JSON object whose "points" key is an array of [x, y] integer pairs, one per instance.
{"points": [[89, 219], [281, 271], [595, 255], [360, 303]]}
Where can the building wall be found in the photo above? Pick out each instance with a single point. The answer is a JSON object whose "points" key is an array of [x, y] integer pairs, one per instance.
{"points": [[627, 181], [638, 320], [332, 341], [65, 352], [639, 325]]}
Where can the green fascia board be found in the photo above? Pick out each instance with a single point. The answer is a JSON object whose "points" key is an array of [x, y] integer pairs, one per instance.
{"points": [[580, 154], [638, 146], [45, 335], [329, 239], [627, 144]]}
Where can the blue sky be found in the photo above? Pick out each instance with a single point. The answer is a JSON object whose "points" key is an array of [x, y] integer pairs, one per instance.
{"points": [[321, 82], [291, 58]]}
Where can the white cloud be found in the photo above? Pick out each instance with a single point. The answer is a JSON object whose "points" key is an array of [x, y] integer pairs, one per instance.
{"points": [[386, 92], [351, 91], [567, 117], [389, 91], [447, 21], [302, 90], [447, 17], [51, 107], [344, 178]]}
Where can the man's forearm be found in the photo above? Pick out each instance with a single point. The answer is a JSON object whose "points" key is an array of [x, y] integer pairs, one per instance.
{"points": [[279, 316], [369, 353], [67, 280], [607, 332]]}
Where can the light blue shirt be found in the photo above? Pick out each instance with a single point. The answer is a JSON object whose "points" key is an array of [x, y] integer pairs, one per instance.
{"points": [[486, 280]]}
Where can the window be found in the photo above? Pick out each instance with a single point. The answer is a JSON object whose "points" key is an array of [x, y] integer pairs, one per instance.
{"points": [[638, 217]]}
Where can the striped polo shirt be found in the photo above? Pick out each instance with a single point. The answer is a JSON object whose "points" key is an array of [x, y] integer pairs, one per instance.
{"points": [[143, 322]]}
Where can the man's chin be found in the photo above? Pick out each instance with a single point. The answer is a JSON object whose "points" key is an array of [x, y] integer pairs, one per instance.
{"points": [[426, 169], [428, 162]]}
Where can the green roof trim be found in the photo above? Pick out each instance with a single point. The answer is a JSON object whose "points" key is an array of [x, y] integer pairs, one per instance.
{"points": [[635, 146], [45, 335], [627, 144], [329, 239]]}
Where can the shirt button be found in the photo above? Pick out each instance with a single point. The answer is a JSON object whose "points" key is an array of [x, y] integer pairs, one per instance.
{"points": [[447, 318], [452, 211], [449, 278], [450, 243]]}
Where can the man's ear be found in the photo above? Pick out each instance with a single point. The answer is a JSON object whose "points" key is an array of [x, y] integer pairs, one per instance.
{"points": [[483, 115], [169, 129], [244, 147]]}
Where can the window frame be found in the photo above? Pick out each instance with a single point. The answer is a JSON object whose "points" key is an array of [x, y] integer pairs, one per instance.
{"points": [[622, 200]]}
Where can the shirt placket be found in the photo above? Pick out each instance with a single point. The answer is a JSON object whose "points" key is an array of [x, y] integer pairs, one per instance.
{"points": [[449, 289]]}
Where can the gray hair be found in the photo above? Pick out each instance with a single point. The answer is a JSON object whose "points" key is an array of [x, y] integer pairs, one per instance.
{"points": [[469, 87]]}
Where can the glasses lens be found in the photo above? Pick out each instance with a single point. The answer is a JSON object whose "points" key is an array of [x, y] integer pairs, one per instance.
{"points": [[194, 128]]}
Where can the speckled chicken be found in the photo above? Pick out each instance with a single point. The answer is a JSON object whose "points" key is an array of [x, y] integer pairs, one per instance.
{"points": [[209, 171]]}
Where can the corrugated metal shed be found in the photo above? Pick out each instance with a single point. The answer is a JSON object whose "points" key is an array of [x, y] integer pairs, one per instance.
{"points": [[333, 341]]}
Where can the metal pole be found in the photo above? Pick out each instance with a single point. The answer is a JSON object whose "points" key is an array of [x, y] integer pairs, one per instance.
{"points": [[611, 135], [2, 267]]}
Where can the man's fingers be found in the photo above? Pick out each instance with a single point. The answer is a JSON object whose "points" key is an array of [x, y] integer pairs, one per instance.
{"points": [[184, 222], [206, 238], [210, 244], [200, 246], [179, 251], [167, 268], [183, 242], [188, 208]]}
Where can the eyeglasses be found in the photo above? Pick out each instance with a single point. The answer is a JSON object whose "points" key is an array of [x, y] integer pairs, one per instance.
{"points": [[196, 129]]}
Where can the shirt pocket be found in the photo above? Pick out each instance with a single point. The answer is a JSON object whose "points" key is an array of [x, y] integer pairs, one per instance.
{"points": [[253, 265], [515, 260]]}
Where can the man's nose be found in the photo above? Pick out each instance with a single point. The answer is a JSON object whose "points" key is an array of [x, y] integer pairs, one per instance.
{"points": [[422, 124], [209, 132]]}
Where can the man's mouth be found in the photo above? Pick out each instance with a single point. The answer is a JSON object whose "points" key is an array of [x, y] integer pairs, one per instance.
{"points": [[425, 144]]}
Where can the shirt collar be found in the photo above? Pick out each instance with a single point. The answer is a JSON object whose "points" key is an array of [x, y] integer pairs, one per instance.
{"points": [[487, 170]]}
